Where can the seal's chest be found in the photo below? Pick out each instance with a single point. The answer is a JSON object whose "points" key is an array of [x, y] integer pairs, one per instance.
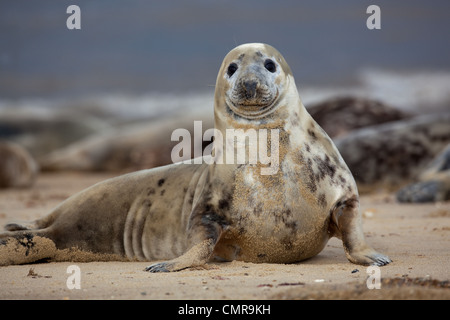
{"points": [[287, 191], [275, 204]]}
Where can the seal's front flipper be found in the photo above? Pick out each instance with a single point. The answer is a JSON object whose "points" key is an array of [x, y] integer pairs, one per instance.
{"points": [[206, 225], [198, 255], [346, 225], [368, 256]]}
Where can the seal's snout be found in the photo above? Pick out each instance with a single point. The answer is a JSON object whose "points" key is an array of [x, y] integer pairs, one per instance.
{"points": [[252, 93], [249, 88]]}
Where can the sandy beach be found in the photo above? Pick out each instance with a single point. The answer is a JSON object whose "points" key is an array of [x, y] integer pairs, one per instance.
{"points": [[416, 237]]}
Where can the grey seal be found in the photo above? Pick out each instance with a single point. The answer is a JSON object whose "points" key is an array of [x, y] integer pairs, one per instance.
{"points": [[18, 169], [187, 214], [433, 183]]}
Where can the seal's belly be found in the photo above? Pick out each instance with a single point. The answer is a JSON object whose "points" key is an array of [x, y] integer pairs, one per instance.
{"points": [[277, 218], [282, 237], [282, 246]]}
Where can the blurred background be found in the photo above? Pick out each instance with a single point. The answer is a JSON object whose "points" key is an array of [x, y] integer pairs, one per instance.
{"points": [[136, 47], [139, 60]]}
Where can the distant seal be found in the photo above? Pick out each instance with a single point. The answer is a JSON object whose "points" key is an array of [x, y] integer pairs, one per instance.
{"points": [[18, 169], [339, 116], [433, 184], [394, 152], [124, 149], [188, 214]]}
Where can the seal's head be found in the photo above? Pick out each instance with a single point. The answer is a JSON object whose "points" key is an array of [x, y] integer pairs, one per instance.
{"points": [[252, 80]]}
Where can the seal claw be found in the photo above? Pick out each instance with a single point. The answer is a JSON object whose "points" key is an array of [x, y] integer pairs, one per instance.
{"points": [[158, 267], [379, 259]]}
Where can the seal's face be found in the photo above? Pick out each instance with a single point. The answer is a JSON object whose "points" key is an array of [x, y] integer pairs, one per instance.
{"points": [[251, 80], [252, 92]]}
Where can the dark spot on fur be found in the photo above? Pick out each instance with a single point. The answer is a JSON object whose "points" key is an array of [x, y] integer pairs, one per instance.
{"points": [[291, 225], [212, 223], [208, 208], [150, 191], [207, 218], [312, 134], [301, 158], [224, 204], [163, 191], [261, 255], [80, 226], [207, 195], [287, 243], [257, 210], [326, 168], [161, 182], [322, 201], [308, 149], [311, 183], [295, 120], [286, 218], [146, 203], [27, 242]]}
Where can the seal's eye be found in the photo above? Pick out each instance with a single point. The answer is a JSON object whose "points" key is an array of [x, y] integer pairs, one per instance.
{"points": [[270, 65], [232, 69]]}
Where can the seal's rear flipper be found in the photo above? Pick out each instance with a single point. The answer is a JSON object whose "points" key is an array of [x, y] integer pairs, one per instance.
{"points": [[18, 226], [22, 247]]}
